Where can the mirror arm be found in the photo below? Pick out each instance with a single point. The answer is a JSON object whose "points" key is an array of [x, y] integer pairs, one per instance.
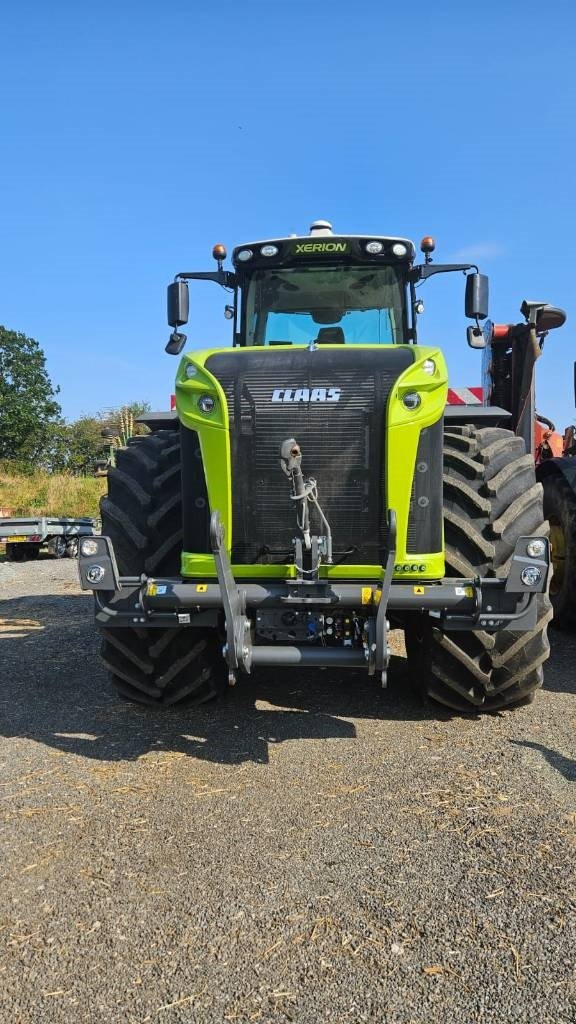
{"points": [[413, 329], [222, 277], [423, 271]]}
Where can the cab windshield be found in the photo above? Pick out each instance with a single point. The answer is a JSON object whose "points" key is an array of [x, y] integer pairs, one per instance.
{"points": [[360, 305]]}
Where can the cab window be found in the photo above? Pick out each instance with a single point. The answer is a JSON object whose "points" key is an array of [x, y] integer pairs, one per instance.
{"points": [[332, 305]]}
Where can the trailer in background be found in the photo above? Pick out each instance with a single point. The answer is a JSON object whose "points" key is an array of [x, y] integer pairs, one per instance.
{"points": [[25, 537]]}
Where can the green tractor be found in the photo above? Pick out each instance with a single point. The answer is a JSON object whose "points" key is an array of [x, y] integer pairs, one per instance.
{"points": [[313, 490]]}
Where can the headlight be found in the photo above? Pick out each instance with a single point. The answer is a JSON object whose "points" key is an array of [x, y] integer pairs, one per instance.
{"points": [[88, 547], [206, 403], [190, 371], [267, 250], [374, 248], [531, 576], [95, 573], [399, 249], [411, 400], [536, 548], [244, 255], [429, 366]]}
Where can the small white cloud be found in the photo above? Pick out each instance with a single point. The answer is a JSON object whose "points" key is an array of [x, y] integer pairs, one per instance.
{"points": [[480, 251]]}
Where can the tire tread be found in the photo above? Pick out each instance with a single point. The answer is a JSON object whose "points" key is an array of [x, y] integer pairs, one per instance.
{"points": [[490, 499], [142, 514]]}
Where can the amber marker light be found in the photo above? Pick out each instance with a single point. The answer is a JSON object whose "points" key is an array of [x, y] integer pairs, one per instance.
{"points": [[219, 252], [427, 244]]}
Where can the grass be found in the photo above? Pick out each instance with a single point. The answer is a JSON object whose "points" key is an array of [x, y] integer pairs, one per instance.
{"points": [[50, 494]]}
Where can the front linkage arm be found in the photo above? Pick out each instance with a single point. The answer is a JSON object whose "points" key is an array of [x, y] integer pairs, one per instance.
{"points": [[238, 647], [382, 652], [239, 650]]}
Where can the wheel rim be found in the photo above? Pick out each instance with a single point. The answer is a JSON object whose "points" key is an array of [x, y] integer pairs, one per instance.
{"points": [[558, 546]]}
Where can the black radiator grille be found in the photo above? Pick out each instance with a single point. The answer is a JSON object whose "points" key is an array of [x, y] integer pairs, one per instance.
{"points": [[342, 444], [424, 534], [195, 509]]}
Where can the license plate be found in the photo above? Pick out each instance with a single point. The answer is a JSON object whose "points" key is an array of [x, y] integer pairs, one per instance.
{"points": [[16, 540]]}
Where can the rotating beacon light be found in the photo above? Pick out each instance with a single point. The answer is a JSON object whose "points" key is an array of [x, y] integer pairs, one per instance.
{"points": [[219, 253], [427, 246]]}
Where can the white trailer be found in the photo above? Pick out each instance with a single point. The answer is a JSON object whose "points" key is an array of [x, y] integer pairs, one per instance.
{"points": [[25, 537]]}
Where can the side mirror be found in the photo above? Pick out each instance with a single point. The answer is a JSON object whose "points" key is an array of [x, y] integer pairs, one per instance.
{"points": [[548, 318], [175, 344], [476, 301], [542, 316], [178, 303], [475, 337]]}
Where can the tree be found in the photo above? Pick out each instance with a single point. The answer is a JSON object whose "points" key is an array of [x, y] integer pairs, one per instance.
{"points": [[28, 408], [86, 445], [55, 453], [83, 441]]}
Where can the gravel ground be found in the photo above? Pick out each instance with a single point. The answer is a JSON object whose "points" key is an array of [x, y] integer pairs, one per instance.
{"points": [[309, 850]]}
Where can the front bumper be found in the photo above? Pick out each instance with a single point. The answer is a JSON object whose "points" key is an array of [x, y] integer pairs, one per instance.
{"points": [[458, 603], [487, 604]]}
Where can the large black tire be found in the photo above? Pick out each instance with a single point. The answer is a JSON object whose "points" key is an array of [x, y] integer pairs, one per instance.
{"points": [[560, 510], [490, 499], [142, 514]]}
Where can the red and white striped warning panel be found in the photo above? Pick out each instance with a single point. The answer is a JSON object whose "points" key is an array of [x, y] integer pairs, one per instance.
{"points": [[465, 396]]}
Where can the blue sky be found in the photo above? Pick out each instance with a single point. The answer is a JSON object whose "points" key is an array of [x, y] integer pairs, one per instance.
{"points": [[135, 135]]}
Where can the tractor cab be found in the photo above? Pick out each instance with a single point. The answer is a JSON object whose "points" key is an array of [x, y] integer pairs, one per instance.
{"points": [[324, 289]]}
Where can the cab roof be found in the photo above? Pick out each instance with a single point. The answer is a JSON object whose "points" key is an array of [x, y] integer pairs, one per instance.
{"points": [[324, 245]]}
